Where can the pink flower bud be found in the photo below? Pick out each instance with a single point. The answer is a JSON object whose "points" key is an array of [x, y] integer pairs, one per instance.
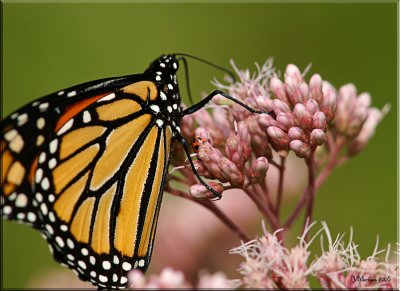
{"points": [[231, 172], [278, 89], [347, 93], [328, 105], [317, 137], [266, 121], [259, 167], [368, 129], [319, 120], [235, 151], [280, 106], [243, 132], [301, 149], [300, 95], [211, 156], [357, 119], [285, 121], [312, 106], [364, 100], [202, 170], [200, 191], [303, 116], [291, 86], [327, 88], [293, 72], [316, 88], [278, 138], [297, 133], [265, 103]]}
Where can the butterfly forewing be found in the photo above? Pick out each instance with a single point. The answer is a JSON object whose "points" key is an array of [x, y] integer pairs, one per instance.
{"points": [[90, 166]]}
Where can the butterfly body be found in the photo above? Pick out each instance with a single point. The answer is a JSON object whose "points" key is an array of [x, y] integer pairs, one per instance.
{"points": [[86, 166]]}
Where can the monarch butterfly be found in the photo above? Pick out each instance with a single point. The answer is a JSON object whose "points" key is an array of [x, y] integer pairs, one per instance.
{"points": [[86, 166]]}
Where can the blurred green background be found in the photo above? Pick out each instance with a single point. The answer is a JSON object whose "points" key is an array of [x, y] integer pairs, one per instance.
{"points": [[47, 47]]}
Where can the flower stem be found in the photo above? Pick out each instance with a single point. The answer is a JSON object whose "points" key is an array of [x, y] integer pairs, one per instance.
{"points": [[268, 213], [311, 188], [214, 209], [280, 186]]}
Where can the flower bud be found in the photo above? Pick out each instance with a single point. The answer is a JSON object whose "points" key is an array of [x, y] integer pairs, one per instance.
{"points": [[265, 103], [231, 172], [368, 129], [328, 105], [364, 100], [357, 119], [234, 150], [301, 149], [200, 191], [317, 137], [303, 116], [316, 88], [327, 88], [280, 106], [312, 106], [297, 133], [285, 121], [259, 167], [278, 89], [278, 138], [319, 121], [300, 95], [243, 132], [348, 93], [293, 72], [202, 170], [266, 120], [211, 156]]}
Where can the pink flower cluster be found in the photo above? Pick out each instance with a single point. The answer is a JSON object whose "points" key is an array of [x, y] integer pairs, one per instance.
{"points": [[172, 279], [302, 112], [269, 264], [238, 145]]}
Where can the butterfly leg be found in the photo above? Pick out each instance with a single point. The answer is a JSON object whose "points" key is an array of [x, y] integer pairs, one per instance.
{"points": [[183, 141], [207, 99]]}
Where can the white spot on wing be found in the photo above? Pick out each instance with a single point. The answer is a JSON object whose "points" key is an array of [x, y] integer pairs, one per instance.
{"points": [[155, 108], [40, 123], [53, 146], [163, 96], [10, 135], [43, 106], [159, 122], [22, 119], [86, 117], [66, 127], [59, 241], [126, 266], [52, 163], [106, 265], [108, 97], [7, 210], [71, 94], [21, 201]]}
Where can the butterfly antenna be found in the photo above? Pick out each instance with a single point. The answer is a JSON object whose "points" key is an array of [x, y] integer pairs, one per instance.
{"points": [[185, 65], [230, 73]]}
